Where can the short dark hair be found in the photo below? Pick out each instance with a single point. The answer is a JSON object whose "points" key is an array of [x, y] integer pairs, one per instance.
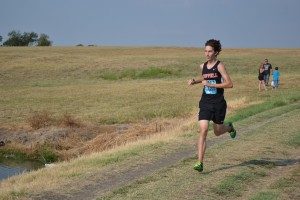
{"points": [[215, 44], [276, 68]]}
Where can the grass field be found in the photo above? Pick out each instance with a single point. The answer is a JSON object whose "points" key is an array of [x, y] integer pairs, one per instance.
{"points": [[99, 86], [96, 85]]}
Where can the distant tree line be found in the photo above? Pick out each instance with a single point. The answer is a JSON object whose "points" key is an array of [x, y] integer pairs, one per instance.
{"points": [[16, 38]]}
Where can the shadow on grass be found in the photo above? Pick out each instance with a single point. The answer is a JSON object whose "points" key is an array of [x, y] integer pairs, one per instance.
{"points": [[265, 162]]}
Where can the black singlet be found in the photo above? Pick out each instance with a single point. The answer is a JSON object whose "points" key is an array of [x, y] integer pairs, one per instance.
{"points": [[213, 76]]}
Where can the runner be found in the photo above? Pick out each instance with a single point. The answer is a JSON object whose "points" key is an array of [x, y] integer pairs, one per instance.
{"points": [[212, 104]]}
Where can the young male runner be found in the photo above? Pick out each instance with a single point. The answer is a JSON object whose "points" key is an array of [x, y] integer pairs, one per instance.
{"points": [[212, 104]]}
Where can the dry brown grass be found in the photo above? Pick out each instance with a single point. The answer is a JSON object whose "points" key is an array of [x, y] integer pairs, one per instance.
{"points": [[40, 120], [69, 121], [45, 119], [240, 103], [61, 174], [69, 142]]}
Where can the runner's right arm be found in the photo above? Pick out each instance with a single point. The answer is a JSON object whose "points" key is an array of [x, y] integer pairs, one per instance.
{"points": [[193, 81]]}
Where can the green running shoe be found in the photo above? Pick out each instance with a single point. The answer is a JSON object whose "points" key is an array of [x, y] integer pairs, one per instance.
{"points": [[233, 131], [198, 166]]}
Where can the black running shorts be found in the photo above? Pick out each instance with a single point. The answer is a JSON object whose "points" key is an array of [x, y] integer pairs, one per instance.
{"points": [[212, 112]]}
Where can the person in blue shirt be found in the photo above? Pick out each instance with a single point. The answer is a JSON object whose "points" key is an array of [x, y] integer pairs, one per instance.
{"points": [[276, 75]]}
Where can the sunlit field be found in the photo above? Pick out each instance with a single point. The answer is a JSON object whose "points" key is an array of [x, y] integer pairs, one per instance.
{"points": [[112, 85]]}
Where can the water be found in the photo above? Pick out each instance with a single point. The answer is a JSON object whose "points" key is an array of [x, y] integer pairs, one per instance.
{"points": [[12, 167]]}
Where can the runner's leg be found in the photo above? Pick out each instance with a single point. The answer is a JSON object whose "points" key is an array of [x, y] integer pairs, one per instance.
{"points": [[202, 139], [220, 129]]}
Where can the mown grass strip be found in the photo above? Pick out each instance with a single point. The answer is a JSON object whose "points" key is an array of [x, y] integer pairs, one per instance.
{"points": [[265, 195], [294, 141], [265, 106], [235, 185], [289, 185]]}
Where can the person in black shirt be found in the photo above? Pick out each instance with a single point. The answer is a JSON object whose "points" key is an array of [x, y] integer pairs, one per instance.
{"points": [[267, 71], [261, 77], [212, 104]]}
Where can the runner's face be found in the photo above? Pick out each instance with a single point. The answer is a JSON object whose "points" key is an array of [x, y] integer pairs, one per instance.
{"points": [[209, 52]]}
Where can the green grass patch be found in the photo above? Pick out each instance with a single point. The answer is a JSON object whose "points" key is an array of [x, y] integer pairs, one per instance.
{"points": [[294, 141], [150, 73], [235, 185], [47, 154], [18, 194], [290, 183], [154, 72], [265, 106], [4, 153], [266, 195], [282, 183], [13, 153], [117, 75]]}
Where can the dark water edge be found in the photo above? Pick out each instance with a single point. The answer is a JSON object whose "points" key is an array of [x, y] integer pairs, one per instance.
{"points": [[12, 167]]}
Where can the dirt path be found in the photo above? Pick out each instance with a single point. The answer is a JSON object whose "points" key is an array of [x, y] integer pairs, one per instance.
{"points": [[96, 187]]}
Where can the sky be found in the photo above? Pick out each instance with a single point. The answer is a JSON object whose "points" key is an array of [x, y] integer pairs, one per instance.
{"points": [[183, 23]]}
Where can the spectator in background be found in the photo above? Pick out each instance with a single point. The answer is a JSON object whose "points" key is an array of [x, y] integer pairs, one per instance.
{"points": [[276, 75], [267, 71], [261, 77]]}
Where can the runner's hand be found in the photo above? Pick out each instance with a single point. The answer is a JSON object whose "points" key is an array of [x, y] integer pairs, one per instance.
{"points": [[191, 82]]}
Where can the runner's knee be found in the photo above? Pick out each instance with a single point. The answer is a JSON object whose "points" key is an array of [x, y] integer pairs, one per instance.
{"points": [[203, 132], [217, 132]]}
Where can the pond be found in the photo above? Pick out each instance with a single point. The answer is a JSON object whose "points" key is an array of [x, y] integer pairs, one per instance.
{"points": [[12, 167]]}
